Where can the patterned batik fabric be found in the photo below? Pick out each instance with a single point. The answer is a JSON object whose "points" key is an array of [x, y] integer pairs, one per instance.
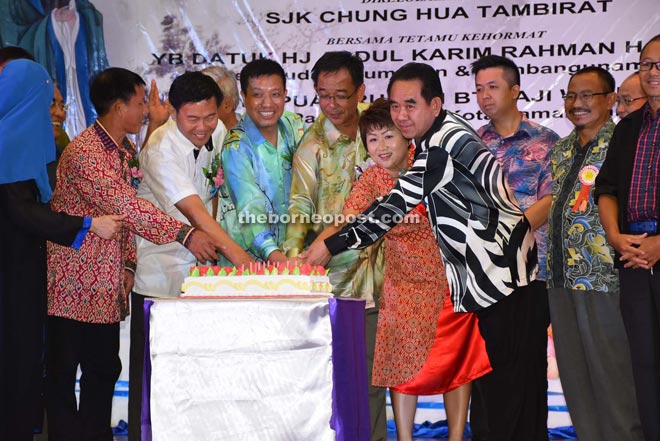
{"points": [[414, 285], [486, 243], [324, 169], [93, 178], [258, 176], [525, 158], [579, 256]]}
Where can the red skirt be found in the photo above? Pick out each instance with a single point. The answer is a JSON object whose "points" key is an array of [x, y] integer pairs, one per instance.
{"points": [[457, 357]]}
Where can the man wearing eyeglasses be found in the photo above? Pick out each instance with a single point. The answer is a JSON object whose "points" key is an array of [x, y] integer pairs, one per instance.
{"points": [[630, 96], [324, 168], [627, 193], [583, 288]]}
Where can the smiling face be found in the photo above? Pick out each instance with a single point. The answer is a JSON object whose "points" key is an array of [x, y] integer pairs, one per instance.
{"points": [[631, 91], [650, 79], [494, 95], [57, 113], [588, 114], [388, 148], [197, 121], [264, 101], [410, 111]]}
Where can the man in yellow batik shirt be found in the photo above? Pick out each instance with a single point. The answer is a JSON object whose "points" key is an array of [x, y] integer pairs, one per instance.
{"points": [[325, 165]]}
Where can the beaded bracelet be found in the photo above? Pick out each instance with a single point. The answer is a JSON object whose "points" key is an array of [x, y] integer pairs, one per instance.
{"points": [[183, 236], [188, 237]]}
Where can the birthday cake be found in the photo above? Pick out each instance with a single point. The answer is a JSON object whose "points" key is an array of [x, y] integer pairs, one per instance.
{"points": [[257, 280]]}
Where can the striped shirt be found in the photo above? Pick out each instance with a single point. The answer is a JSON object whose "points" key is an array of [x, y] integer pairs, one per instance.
{"points": [[644, 182], [487, 244]]}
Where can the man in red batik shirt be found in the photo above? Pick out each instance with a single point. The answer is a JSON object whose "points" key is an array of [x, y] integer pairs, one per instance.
{"points": [[88, 288]]}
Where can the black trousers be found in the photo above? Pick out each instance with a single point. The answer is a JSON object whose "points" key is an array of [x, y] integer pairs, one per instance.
{"points": [[511, 401], [135, 367], [21, 363], [95, 347], [640, 308]]}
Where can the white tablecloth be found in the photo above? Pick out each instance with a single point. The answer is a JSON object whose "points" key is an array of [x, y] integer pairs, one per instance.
{"points": [[241, 370]]}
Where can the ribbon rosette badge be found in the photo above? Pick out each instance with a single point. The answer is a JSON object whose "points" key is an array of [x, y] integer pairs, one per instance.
{"points": [[587, 178]]}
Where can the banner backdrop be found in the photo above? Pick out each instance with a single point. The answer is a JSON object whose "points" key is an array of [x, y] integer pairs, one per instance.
{"points": [[548, 40]]}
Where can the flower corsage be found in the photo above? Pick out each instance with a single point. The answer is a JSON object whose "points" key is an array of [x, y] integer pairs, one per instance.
{"points": [[134, 170], [215, 174]]}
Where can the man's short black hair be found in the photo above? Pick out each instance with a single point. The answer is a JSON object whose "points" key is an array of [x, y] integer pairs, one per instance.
{"points": [[336, 60], [259, 68], [111, 85], [193, 87], [431, 85], [8, 53], [653, 39], [511, 72], [605, 77]]}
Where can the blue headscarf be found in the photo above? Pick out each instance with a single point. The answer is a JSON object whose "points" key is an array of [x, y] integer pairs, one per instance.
{"points": [[27, 143]]}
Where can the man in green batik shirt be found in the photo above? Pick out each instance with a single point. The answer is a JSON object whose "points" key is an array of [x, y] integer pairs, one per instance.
{"points": [[583, 287], [324, 169], [257, 156]]}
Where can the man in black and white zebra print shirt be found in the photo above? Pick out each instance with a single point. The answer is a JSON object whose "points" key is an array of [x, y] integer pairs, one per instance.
{"points": [[487, 245]]}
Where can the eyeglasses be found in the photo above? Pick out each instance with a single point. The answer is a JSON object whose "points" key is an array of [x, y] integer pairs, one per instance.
{"points": [[586, 97], [60, 105], [621, 101], [648, 65], [336, 98]]}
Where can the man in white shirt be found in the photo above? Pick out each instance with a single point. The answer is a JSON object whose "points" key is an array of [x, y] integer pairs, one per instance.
{"points": [[180, 166]]}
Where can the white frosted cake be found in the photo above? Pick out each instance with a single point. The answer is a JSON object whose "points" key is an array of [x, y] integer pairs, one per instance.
{"points": [[258, 280]]}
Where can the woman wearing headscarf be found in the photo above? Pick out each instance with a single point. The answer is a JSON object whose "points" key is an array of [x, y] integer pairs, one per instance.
{"points": [[26, 223]]}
